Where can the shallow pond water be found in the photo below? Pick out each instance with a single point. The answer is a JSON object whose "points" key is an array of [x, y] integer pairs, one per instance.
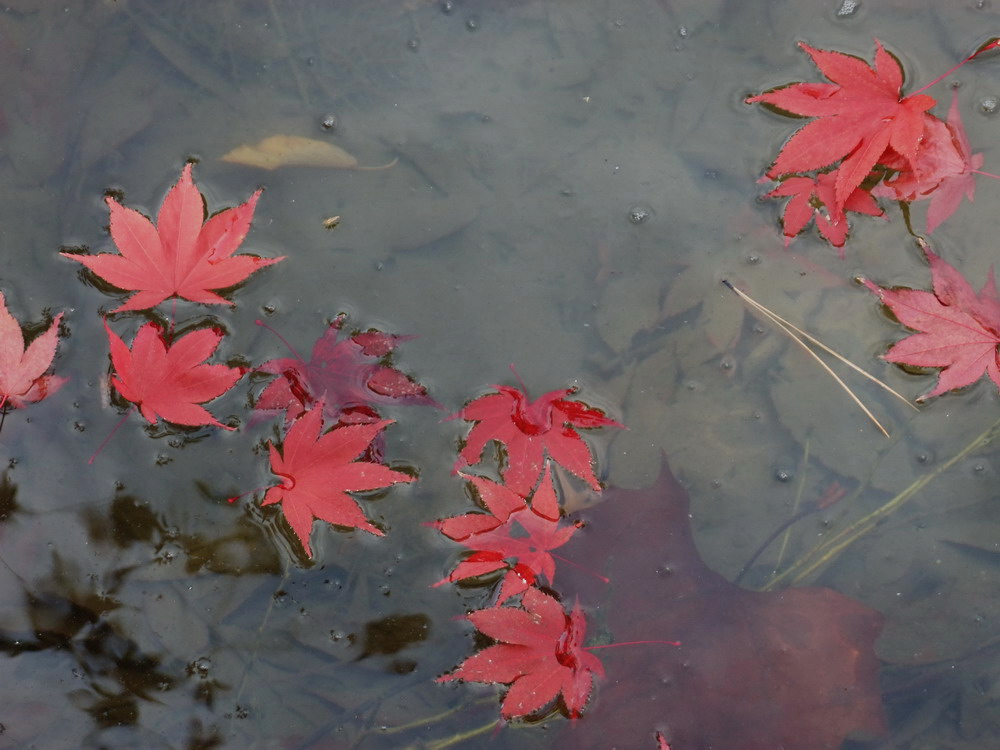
{"points": [[569, 184]]}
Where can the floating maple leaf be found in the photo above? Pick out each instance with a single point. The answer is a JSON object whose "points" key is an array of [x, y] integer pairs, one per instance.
{"points": [[22, 372], [530, 431], [540, 654], [170, 381], [859, 116], [346, 375], [815, 197], [958, 330], [512, 531], [318, 471], [180, 256]]}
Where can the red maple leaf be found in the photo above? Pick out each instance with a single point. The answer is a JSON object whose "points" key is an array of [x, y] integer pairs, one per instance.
{"points": [[22, 371], [512, 531], [180, 256], [317, 472], [347, 375], [815, 197], [530, 431], [170, 381], [943, 169], [859, 116], [958, 330], [540, 654]]}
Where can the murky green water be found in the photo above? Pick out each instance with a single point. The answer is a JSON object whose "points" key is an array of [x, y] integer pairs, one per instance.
{"points": [[140, 609]]}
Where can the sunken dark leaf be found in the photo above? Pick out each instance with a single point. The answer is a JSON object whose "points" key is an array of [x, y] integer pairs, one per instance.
{"points": [[783, 669]]}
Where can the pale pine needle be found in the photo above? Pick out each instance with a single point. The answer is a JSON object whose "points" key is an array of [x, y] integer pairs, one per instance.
{"points": [[797, 334]]}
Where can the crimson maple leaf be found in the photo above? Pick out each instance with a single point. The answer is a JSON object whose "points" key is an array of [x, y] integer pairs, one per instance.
{"points": [[22, 371], [170, 381], [942, 170], [540, 654], [317, 472], [859, 116], [180, 256], [346, 375], [958, 330], [530, 431], [815, 197], [511, 531]]}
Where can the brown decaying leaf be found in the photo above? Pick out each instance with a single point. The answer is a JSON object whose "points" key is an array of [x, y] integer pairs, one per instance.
{"points": [[292, 150]]}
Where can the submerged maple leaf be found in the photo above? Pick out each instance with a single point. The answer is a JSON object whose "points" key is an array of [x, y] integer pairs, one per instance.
{"points": [[943, 169], [958, 330], [540, 654], [180, 256], [859, 116], [815, 197], [511, 531], [22, 371], [171, 381], [318, 471], [530, 431], [346, 375]]}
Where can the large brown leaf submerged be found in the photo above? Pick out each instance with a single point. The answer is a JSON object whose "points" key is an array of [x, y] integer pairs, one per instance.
{"points": [[793, 669]]}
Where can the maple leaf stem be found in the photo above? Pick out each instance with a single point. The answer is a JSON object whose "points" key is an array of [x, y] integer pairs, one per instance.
{"points": [[630, 643], [993, 44], [110, 435], [985, 174], [291, 348], [581, 567], [3, 411], [517, 375]]}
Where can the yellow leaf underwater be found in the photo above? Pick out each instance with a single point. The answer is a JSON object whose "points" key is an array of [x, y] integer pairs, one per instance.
{"points": [[293, 150]]}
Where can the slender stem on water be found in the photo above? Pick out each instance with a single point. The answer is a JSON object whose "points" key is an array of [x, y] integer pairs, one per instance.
{"points": [[284, 341], [992, 44], [630, 643], [581, 567], [110, 435], [985, 174], [829, 549]]}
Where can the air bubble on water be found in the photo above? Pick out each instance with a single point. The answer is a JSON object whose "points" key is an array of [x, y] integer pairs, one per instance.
{"points": [[848, 8], [639, 214], [783, 475], [682, 32], [988, 105]]}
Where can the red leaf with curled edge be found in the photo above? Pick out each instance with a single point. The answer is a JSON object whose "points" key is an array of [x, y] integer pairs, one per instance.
{"points": [[540, 654], [530, 431], [22, 371], [181, 256], [754, 670], [958, 330], [943, 169], [512, 531], [171, 381], [814, 197], [318, 471], [347, 375], [858, 116]]}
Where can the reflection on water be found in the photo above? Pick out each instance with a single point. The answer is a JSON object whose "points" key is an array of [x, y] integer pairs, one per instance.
{"points": [[573, 181]]}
